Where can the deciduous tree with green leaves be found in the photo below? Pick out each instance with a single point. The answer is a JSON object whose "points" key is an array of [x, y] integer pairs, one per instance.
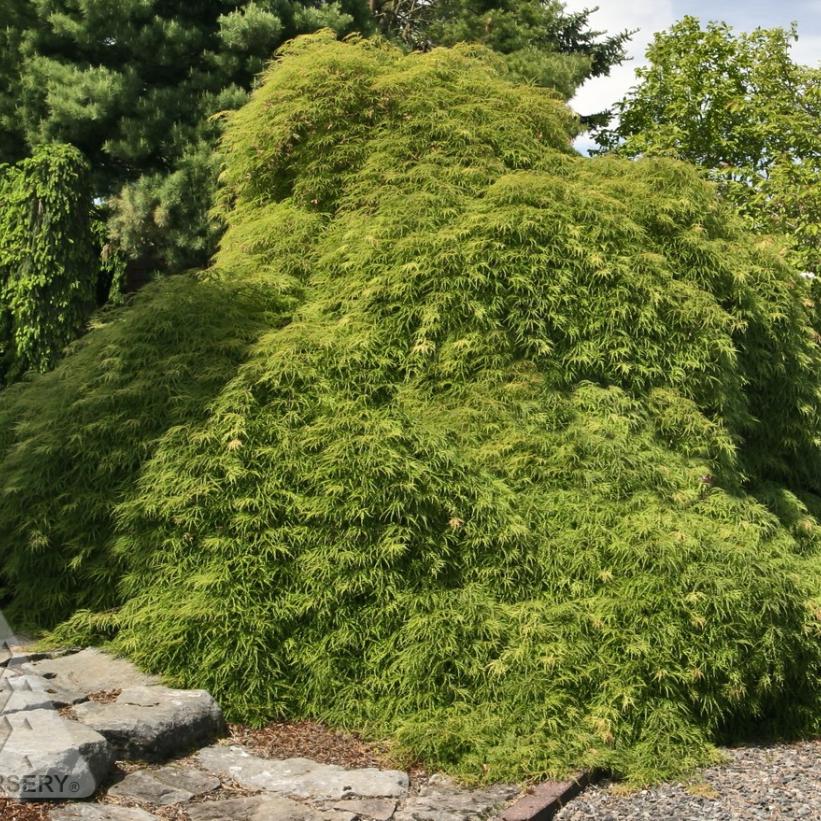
{"points": [[739, 106]]}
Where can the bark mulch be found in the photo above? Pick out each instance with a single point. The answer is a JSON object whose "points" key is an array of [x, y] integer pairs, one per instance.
{"points": [[23, 811], [309, 739]]}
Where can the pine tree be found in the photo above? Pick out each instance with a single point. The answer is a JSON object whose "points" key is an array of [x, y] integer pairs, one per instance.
{"points": [[541, 41], [17, 18], [133, 84]]}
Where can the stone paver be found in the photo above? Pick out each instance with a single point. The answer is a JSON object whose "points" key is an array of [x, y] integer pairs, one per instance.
{"points": [[153, 723], [18, 701], [91, 670], [443, 800], [167, 785], [372, 809], [16, 658], [26, 691], [46, 756], [13, 653], [301, 777], [256, 808], [100, 812]]}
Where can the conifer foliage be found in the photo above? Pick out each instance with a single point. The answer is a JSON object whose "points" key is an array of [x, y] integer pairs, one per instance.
{"points": [[512, 458], [133, 84], [541, 40], [48, 258]]}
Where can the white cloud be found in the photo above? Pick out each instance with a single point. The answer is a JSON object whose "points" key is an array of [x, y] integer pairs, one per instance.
{"points": [[649, 16], [808, 49]]}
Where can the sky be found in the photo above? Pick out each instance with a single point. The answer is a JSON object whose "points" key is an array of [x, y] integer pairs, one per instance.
{"points": [[651, 16]]}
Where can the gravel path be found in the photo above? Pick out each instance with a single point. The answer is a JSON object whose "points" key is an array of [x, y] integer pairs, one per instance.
{"points": [[780, 782]]}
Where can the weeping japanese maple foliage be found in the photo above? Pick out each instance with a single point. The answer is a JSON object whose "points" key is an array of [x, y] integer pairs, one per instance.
{"points": [[505, 454]]}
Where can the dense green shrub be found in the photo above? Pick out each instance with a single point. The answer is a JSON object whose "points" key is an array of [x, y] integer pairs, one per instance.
{"points": [[517, 469], [74, 440], [49, 261]]}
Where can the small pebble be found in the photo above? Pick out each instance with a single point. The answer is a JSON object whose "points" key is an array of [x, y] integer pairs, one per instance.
{"points": [[779, 782]]}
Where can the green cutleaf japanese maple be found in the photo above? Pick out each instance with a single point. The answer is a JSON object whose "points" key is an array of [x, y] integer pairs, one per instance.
{"points": [[505, 454]]}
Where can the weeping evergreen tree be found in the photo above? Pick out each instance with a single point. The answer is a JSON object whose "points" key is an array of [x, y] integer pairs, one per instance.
{"points": [[49, 262], [503, 453]]}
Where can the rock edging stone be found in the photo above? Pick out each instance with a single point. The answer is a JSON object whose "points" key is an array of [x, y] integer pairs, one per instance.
{"points": [[46, 756], [301, 777], [153, 723]]}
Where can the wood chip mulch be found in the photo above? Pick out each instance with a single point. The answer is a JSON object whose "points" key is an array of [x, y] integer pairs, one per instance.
{"points": [[309, 739], [104, 696], [23, 811]]}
